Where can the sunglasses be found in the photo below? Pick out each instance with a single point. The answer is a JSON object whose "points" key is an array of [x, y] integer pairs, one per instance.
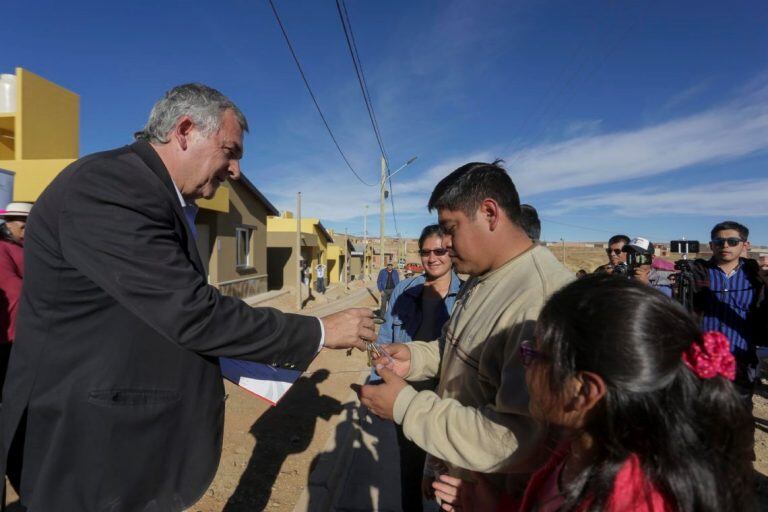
{"points": [[529, 354], [614, 251], [732, 241], [438, 252]]}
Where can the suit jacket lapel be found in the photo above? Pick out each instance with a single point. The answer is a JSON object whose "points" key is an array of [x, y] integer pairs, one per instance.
{"points": [[150, 157]]}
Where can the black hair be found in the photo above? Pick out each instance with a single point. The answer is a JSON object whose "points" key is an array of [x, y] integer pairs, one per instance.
{"points": [[618, 238], [529, 221], [431, 230], [729, 224], [692, 436], [5, 233], [469, 185]]}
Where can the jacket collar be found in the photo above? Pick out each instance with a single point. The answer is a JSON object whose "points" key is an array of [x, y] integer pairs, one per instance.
{"points": [[152, 160], [415, 286]]}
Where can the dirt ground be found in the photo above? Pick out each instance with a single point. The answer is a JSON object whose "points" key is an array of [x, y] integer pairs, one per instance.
{"points": [[268, 452]]}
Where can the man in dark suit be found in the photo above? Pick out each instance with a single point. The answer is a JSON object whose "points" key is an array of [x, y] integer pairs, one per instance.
{"points": [[114, 396]]}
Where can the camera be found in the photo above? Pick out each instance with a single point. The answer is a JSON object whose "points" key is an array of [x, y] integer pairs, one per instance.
{"points": [[639, 252], [683, 290]]}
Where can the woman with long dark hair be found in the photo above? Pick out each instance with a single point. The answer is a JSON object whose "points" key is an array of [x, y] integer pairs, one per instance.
{"points": [[651, 419]]}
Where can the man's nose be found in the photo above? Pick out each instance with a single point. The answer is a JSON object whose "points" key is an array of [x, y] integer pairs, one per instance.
{"points": [[234, 169]]}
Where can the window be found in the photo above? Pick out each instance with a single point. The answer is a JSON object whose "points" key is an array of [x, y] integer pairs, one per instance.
{"points": [[243, 247]]}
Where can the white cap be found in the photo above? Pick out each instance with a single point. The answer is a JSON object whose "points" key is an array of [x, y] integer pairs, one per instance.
{"points": [[16, 210]]}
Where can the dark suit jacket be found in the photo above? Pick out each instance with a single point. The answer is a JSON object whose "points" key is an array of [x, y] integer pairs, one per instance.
{"points": [[115, 361]]}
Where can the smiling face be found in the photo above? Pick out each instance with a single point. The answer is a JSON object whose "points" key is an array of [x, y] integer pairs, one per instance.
{"points": [[435, 266], [211, 159]]}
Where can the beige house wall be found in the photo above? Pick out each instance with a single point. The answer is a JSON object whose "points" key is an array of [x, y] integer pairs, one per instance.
{"points": [[217, 243]]}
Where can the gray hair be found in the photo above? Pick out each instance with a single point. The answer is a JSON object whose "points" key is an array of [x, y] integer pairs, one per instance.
{"points": [[203, 104]]}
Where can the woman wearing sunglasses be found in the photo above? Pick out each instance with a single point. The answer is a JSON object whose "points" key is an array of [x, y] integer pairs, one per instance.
{"points": [[419, 307], [650, 418]]}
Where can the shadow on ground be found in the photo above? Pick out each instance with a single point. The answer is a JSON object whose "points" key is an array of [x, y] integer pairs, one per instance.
{"points": [[280, 432]]}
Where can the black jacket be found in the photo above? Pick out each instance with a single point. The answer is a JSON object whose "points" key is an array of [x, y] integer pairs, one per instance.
{"points": [[115, 361]]}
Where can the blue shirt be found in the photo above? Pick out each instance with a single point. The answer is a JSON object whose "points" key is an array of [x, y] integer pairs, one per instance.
{"points": [[727, 306]]}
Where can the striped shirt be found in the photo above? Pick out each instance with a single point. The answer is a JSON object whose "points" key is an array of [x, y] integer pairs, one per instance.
{"points": [[727, 307]]}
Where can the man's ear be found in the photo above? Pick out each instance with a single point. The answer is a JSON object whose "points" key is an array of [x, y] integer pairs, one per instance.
{"points": [[747, 245], [489, 212], [183, 131]]}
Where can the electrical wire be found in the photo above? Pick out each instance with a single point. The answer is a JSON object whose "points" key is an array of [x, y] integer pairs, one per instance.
{"points": [[349, 35], [314, 99]]}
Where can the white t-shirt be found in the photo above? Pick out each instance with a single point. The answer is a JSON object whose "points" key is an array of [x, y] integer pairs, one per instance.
{"points": [[320, 269]]}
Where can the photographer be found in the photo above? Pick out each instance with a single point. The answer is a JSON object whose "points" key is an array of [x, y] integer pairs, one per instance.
{"points": [[639, 257], [729, 295], [616, 257]]}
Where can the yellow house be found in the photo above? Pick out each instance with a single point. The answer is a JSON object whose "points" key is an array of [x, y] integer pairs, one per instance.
{"points": [[339, 257], [281, 242], [40, 136]]}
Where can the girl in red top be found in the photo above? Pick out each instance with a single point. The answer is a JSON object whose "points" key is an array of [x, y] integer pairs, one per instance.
{"points": [[651, 420]]}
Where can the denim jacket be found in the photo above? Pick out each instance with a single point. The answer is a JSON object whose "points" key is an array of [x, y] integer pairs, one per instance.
{"points": [[404, 314]]}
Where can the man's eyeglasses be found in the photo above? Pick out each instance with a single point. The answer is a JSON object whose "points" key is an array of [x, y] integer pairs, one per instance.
{"points": [[614, 251], [732, 241], [438, 252], [529, 354]]}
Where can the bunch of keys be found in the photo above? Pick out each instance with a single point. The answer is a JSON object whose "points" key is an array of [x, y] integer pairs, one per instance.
{"points": [[376, 351]]}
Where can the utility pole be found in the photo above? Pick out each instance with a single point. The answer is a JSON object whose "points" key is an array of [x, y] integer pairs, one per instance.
{"points": [[563, 241], [365, 226], [381, 210], [299, 275], [347, 256]]}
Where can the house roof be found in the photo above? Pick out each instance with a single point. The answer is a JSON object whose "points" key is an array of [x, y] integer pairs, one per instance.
{"points": [[324, 231], [271, 210]]}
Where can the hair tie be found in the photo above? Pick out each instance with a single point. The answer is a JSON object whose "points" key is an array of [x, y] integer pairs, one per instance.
{"points": [[711, 357]]}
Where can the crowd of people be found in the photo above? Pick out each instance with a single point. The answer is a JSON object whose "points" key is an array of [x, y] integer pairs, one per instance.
{"points": [[520, 388]]}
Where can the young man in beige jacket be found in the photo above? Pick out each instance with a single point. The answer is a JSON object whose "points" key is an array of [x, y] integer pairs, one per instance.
{"points": [[478, 418]]}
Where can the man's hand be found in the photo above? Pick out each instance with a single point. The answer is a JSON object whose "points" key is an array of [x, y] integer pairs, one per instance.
{"points": [[348, 328], [401, 359], [380, 398], [642, 273]]}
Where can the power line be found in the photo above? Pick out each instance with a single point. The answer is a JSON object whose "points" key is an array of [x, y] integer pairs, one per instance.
{"points": [[314, 100], [349, 35]]}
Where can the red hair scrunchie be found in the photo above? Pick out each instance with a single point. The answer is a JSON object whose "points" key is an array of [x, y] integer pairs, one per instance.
{"points": [[711, 357]]}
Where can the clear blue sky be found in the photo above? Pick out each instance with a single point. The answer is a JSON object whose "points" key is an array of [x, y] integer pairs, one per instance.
{"points": [[644, 118]]}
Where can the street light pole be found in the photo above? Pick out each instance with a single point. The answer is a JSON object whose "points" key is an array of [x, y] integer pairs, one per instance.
{"points": [[382, 198], [382, 204]]}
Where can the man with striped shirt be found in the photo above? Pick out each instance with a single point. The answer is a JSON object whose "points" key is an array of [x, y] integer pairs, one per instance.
{"points": [[730, 296]]}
